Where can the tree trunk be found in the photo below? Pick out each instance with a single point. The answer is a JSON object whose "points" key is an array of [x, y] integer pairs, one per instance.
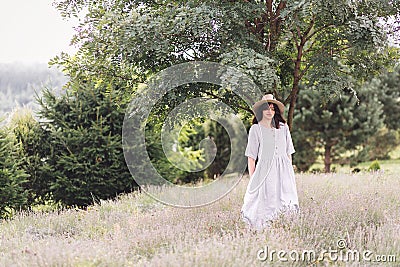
{"points": [[296, 80], [300, 40], [293, 98], [327, 159]]}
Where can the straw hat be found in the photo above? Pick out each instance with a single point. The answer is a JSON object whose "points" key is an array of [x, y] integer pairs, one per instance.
{"points": [[269, 98]]}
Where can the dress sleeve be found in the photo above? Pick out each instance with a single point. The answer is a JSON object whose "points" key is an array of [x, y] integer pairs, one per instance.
{"points": [[289, 143], [253, 143]]}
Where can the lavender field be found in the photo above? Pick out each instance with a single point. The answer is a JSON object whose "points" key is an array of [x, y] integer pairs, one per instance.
{"points": [[345, 220]]}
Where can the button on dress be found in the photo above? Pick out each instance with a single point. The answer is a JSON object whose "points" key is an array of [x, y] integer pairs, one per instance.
{"points": [[272, 187]]}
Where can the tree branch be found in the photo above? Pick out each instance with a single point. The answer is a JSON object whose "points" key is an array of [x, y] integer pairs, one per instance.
{"points": [[296, 41], [319, 30], [304, 71], [334, 51], [298, 31], [222, 100], [306, 32], [311, 46]]}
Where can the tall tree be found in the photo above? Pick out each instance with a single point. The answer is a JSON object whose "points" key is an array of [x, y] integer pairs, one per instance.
{"points": [[379, 145], [339, 125], [82, 129], [388, 88]]}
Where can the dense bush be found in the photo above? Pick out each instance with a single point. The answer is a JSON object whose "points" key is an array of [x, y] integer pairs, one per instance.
{"points": [[306, 152], [83, 131], [32, 146], [74, 154], [12, 178], [184, 172], [379, 145]]}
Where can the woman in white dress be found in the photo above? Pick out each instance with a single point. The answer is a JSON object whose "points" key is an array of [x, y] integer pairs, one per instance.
{"points": [[272, 187]]}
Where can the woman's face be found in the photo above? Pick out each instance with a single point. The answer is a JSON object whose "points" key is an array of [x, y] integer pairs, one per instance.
{"points": [[269, 113]]}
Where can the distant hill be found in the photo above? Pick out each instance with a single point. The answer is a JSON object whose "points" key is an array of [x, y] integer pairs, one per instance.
{"points": [[19, 82]]}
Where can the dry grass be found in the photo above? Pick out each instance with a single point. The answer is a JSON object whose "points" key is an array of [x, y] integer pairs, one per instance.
{"points": [[135, 230]]}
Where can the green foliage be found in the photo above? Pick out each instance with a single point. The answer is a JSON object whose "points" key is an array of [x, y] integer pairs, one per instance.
{"points": [[384, 140], [379, 145], [339, 125], [228, 147], [388, 88], [32, 146], [259, 67], [378, 105], [332, 38], [12, 177], [219, 136], [184, 170], [83, 132], [306, 152]]}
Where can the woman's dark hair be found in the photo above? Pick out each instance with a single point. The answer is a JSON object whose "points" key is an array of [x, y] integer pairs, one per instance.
{"points": [[277, 117]]}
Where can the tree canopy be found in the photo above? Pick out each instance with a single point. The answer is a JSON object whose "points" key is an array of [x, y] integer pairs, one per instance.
{"points": [[280, 44]]}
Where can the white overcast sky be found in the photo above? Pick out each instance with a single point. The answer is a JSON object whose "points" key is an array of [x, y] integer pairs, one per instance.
{"points": [[32, 31]]}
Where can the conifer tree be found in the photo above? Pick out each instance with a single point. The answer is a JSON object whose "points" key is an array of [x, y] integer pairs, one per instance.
{"points": [[12, 178], [336, 126], [32, 146], [83, 129]]}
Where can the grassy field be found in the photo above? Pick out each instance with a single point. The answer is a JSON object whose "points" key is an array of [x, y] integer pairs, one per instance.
{"points": [[391, 166], [342, 214]]}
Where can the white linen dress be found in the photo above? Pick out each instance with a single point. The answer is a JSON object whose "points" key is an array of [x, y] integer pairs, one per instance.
{"points": [[272, 187]]}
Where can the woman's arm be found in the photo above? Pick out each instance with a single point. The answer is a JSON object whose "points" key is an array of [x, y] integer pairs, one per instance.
{"points": [[290, 157], [251, 163], [253, 145]]}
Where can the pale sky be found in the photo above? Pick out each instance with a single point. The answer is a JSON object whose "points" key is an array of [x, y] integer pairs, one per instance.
{"points": [[32, 31]]}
